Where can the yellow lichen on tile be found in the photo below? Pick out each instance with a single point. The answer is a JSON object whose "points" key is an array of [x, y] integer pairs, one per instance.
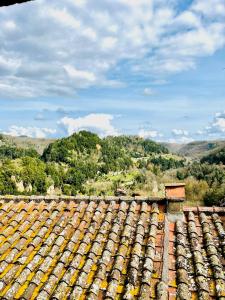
{"points": [[88, 248], [104, 284], [90, 277], [6, 271], [156, 275], [212, 287], [82, 261], [21, 290], [120, 289], [83, 297], [94, 267], [153, 292], [74, 278], [68, 245], [194, 296], [173, 283], [134, 291], [35, 293], [161, 217]]}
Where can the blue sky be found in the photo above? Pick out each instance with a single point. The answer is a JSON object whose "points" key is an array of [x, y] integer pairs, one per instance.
{"points": [[150, 68]]}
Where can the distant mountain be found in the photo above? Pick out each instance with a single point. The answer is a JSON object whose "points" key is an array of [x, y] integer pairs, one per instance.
{"points": [[215, 157], [196, 149], [25, 142], [89, 145], [87, 164]]}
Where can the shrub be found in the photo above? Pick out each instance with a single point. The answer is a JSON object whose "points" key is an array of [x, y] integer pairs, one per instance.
{"points": [[215, 196]]}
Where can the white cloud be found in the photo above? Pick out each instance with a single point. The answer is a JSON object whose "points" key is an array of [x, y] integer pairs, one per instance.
{"points": [[149, 133], [180, 132], [181, 140], [8, 64], [108, 43], [148, 92], [209, 7], [35, 132], [63, 17], [215, 129], [181, 136], [76, 44], [188, 18], [78, 3], [200, 132], [217, 126], [159, 82], [10, 25], [79, 74], [90, 33], [99, 123]]}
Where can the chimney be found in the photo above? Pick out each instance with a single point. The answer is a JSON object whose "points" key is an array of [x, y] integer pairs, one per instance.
{"points": [[175, 195]]}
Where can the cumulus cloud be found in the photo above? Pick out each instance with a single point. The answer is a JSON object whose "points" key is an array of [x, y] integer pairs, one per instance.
{"points": [[181, 140], [82, 77], [180, 132], [99, 123], [57, 47], [180, 136], [34, 132], [148, 92], [210, 7], [146, 134], [217, 126]]}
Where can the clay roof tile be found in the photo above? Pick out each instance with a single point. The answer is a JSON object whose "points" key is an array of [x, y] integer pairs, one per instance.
{"points": [[97, 248]]}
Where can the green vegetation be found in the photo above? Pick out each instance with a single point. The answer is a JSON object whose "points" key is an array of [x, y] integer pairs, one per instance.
{"points": [[216, 157], [86, 164], [25, 142], [196, 149], [211, 176], [13, 152], [167, 163]]}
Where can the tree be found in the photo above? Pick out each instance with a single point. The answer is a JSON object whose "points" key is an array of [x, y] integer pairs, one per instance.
{"points": [[217, 157], [215, 196]]}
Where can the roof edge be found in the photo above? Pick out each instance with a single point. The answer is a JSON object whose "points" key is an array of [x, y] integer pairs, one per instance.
{"points": [[173, 185], [206, 209], [78, 198]]}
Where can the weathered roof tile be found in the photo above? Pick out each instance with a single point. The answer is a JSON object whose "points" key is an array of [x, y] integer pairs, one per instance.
{"points": [[108, 249]]}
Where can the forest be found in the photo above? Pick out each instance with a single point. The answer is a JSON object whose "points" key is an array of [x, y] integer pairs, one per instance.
{"points": [[86, 164]]}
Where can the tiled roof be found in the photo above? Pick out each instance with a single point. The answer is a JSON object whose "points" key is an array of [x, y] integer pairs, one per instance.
{"points": [[200, 255], [109, 249]]}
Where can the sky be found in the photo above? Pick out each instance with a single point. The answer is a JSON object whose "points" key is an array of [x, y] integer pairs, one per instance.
{"points": [[153, 68]]}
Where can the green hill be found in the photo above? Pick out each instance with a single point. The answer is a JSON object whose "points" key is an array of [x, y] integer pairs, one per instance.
{"points": [[196, 149], [86, 164], [85, 144], [68, 164], [25, 142], [215, 157]]}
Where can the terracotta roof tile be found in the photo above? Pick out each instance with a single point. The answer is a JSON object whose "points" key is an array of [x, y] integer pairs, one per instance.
{"points": [[96, 248], [199, 251]]}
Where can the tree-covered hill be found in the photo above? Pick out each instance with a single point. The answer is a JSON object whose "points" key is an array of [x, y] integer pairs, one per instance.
{"points": [[86, 143], [86, 164], [24, 142], [67, 164], [196, 149], [216, 157]]}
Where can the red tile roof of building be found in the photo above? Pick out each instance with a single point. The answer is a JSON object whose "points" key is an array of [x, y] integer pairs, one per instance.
{"points": [[93, 248]]}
